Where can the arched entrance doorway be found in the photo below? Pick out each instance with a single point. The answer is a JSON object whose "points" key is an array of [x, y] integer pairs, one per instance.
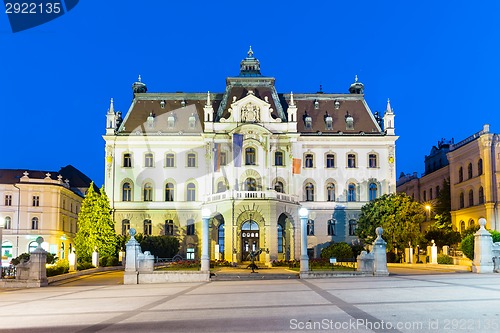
{"points": [[249, 238], [285, 237]]}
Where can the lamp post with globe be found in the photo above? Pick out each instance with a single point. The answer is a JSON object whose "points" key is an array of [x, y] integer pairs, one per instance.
{"points": [[304, 258]]}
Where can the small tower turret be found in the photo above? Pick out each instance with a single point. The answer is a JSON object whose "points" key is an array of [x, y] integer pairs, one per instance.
{"points": [[111, 119], [389, 119], [139, 87], [250, 66], [357, 87]]}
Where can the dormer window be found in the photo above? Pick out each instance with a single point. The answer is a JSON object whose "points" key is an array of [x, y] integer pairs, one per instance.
{"points": [[151, 120], [328, 122], [349, 122], [307, 121], [316, 104], [162, 104], [183, 103], [171, 121], [192, 121], [337, 105]]}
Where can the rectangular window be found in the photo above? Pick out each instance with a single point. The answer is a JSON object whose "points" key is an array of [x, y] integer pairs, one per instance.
{"points": [[36, 201], [191, 160], [148, 160], [148, 228], [169, 161], [278, 158], [331, 228], [8, 200], [223, 158], [309, 161], [127, 160], [372, 161], [351, 161], [330, 161], [310, 227], [190, 254], [190, 227], [169, 227]]}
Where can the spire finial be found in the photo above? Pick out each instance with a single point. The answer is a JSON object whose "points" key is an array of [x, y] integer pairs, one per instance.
{"points": [[139, 78], [388, 109], [292, 103], [356, 78], [111, 106], [208, 99], [250, 52]]}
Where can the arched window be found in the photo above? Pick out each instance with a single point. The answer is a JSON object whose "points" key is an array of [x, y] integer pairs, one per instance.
{"points": [[330, 192], [148, 228], [462, 226], [480, 167], [278, 187], [148, 192], [310, 227], [250, 156], [471, 223], [471, 198], [8, 223], [221, 187], [331, 227], [461, 174], [462, 200], [169, 192], [372, 191], [469, 171], [221, 237], [309, 161], [352, 227], [126, 192], [32, 246], [481, 195], [280, 238], [278, 158], [251, 184], [34, 223], [125, 227], [309, 188], [190, 192], [351, 192]]}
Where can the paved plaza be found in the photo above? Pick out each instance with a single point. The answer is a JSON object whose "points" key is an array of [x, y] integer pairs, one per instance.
{"points": [[427, 301]]}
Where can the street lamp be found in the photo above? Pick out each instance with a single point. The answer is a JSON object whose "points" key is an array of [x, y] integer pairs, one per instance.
{"points": [[205, 258], [428, 208], [304, 259]]}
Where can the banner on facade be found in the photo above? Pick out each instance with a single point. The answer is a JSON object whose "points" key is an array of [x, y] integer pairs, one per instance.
{"points": [[297, 163]]}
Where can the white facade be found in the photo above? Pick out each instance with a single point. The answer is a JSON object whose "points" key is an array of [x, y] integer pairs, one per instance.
{"points": [[253, 157]]}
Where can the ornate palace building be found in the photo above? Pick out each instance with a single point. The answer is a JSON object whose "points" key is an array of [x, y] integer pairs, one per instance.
{"points": [[253, 157]]}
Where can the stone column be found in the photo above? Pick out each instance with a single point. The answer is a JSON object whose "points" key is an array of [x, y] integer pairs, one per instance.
{"points": [[205, 258], [38, 260], [380, 255], [304, 258], [95, 258], [483, 253]]}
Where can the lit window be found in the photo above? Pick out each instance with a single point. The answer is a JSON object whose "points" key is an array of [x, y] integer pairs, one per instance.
{"points": [[280, 238], [148, 160], [125, 227], [250, 156], [127, 160], [310, 227], [191, 192], [330, 161], [191, 160], [170, 160], [169, 192], [220, 238], [126, 192]]}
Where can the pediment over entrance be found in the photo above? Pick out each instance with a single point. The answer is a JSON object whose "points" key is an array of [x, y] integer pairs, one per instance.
{"points": [[250, 109]]}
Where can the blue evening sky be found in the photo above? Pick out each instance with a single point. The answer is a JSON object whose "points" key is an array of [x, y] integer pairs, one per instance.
{"points": [[436, 60]]}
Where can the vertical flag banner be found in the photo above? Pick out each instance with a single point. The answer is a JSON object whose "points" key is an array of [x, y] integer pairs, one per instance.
{"points": [[297, 163], [217, 157], [237, 149]]}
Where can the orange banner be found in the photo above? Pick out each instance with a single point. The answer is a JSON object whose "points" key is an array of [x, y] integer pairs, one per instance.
{"points": [[297, 163]]}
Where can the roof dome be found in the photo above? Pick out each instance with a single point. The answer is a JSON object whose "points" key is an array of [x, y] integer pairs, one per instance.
{"points": [[357, 87], [139, 87], [250, 66]]}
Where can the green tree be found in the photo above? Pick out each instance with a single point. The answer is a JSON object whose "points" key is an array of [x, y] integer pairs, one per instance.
{"points": [[400, 217], [340, 250], [161, 246], [443, 207], [95, 227]]}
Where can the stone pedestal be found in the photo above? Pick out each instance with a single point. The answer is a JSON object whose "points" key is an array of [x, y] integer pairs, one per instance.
{"points": [[409, 255], [483, 253], [72, 262], [95, 259], [365, 262], [146, 262], [380, 255], [133, 249], [446, 250], [434, 253]]}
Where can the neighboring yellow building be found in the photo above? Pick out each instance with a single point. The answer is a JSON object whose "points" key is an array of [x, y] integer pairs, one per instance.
{"points": [[40, 203], [472, 167]]}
